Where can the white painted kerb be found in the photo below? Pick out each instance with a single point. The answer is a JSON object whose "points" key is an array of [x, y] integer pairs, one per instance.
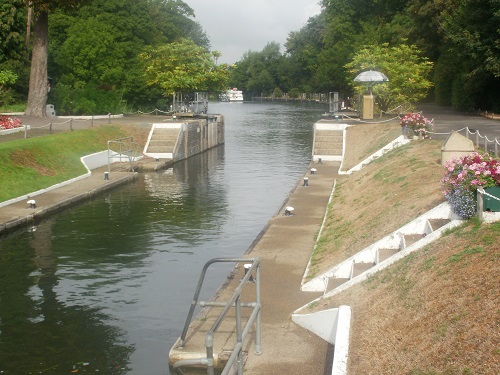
{"points": [[333, 326]]}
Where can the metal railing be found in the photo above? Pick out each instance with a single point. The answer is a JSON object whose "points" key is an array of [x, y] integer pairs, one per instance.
{"points": [[481, 193], [490, 145], [123, 148], [241, 332]]}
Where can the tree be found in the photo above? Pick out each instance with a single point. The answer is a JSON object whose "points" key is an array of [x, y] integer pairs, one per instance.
{"points": [[183, 67], [407, 72], [38, 86]]}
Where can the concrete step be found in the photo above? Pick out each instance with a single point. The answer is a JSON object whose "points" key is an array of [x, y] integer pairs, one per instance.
{"points": [[321, 151], [328, 145], [438, 223], [384, 254], [165, 143], [334, 282], [410, 239], [158, 149], [163, 137], [359, 268], [328, 138]]}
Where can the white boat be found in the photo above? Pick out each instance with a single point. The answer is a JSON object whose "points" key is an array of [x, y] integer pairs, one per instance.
{"points": [[234, 95]]}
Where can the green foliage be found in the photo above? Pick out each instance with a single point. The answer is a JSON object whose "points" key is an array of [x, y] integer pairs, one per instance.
{"points": [[12, 29], [294, 93], [183, 67], [97, 43], [87, 99], [6, 77], [407, 72], [277, 93], [259, 72]]}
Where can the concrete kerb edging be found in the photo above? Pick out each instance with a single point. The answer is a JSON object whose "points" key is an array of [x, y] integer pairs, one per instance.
{"points": [[320, 231], [94, 160], [392, 240], [334, 326], [400, 141]]}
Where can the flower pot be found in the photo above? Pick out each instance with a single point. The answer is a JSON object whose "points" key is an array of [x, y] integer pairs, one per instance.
{"points": [[491, 204]]}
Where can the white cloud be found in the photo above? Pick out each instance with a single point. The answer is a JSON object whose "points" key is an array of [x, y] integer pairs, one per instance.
{"points": [[236, 26]]}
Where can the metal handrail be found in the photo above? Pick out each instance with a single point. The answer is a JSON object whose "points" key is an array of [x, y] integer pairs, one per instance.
{"points": [[127, 148], [234, 301]]}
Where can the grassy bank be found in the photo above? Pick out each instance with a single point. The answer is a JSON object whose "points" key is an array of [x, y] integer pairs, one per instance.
{"points": [[28, 165], [434, 312]]}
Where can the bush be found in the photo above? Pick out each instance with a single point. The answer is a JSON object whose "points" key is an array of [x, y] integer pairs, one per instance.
{"points": [[294, 93], [416, 124], [277, 93], [462, 178], [86, 100]]}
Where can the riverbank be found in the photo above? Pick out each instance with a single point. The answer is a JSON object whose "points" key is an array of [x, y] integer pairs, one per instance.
{"points": [[390, 189], [21, 214]]}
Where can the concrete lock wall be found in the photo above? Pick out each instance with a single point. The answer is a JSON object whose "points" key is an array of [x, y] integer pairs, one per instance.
{"points": [[199, 136]]}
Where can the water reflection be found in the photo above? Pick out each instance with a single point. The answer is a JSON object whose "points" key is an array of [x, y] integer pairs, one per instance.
{"points": [[39, 332], [106, 285]]}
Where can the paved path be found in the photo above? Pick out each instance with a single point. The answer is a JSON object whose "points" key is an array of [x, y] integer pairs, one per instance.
{"points": [[447, 119], [19, 215]]}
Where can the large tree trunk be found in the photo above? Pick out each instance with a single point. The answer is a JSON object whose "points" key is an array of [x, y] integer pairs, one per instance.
{"points": [[38, 89]]}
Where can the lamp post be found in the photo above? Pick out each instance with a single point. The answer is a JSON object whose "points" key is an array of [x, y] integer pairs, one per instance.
{"points": [[369, 78]]}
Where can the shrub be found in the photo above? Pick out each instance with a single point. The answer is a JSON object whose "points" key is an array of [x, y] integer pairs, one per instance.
{"points": [[462, 178], [416, 124]]}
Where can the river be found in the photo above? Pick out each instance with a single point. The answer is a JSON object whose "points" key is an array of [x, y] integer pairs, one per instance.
{"points": [[104, 287]]}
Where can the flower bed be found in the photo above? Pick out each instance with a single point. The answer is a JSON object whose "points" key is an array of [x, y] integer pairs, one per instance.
{"points": [[7, 122], [462, 178], [414, 124]]}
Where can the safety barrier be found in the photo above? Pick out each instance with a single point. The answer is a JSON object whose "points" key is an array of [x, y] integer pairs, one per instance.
{"points": [[241, 332]]}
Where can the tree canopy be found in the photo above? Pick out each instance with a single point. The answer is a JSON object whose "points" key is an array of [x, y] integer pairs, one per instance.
{"points": [[409, 83], [92, 48], [183, 67]]}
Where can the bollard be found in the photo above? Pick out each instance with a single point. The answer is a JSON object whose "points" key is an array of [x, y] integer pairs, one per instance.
{"points": [[306, 181], [289, 211], [106, 175], [313, 170]]}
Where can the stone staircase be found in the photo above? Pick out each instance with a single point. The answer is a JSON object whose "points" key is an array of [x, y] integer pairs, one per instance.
{"points": [[384, 252], [328, 142], [162, 142]]}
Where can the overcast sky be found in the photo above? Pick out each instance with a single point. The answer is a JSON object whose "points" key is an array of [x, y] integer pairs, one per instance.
{"points": [[237, 26]]}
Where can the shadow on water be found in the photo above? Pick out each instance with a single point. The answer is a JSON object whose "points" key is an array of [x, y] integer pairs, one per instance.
{"points": [[105, 286]]}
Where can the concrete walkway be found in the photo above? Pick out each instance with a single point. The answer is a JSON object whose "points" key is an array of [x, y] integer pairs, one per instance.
{"points": [[284, 251], [18, 215]]}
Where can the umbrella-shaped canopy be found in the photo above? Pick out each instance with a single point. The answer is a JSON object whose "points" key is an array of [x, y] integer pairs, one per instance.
{"points": [[371, 76]]}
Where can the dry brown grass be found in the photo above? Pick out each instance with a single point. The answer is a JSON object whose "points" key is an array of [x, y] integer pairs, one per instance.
{"points": [[383, 196], [434, 312]]}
